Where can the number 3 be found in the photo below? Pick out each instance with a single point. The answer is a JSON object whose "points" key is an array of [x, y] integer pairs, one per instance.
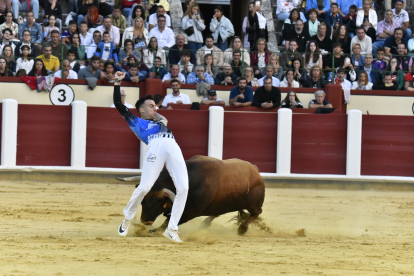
{"points": [[63, 93]]}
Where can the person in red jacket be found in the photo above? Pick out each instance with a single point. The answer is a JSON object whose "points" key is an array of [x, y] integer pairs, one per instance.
{"points": [[260, 57]]}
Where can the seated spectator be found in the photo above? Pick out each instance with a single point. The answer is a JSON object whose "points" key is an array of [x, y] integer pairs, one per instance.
{"points": [[21, 5], [312, 56], [241, 95], [289, 55], [238, 65], [153, 19], [368, 19], [74, 64], [334, 60], [350, 20], [320, 101], [209, 66], [364, 41], [34, 28], [403, 18], [270, 74], [227, 77], [301, 36], [174, 54], [385, 29], [343, 38], [267, 96], [396, 73], [75, 44], [174, 74], [320, 7], [345, 6], [300, 73], [138, 34], [73, 27], [112, 30], [4, 71], [186, 67], [123, 97], [341, 76], [322, 39], [315, 80], [153, 52], [164, 35], [386, 83], [176, 97], [21, 73], [199, 76], [291, 101], [212, 99], [277, 69], [158, 70], [53, 8], [57, 45], [251, 80], [68, 73], [108, 72], [118, 20], [363, 82], [86, 37], [124, 54], [356, 57], [26, 40], [23, 62], [92, 70], [133, 74], [312, 25], [284, 8], [51, 62], [138, 11], [260, 57], [83, 7], [51, 27], [91, 50], [405, 62], [388, 4], [193, 26], [289, 26], [9, 56], [131, 59], [39, 69], [106, 49], [380, 62], [158, 101], [289, 80], [222, 28], [6, 40], [93, 18], [374, 75], [9, 24], [333, 18], [236, 44], [408, 80], [209, 48]]}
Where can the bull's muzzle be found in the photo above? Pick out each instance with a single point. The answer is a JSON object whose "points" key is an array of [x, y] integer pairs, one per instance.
{"points": [[148, 223]]}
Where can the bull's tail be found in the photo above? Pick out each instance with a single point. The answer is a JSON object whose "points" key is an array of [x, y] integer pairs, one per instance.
{"points": [[129, 179]]}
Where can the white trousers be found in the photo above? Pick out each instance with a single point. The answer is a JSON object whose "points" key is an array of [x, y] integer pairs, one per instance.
{"points": [[162, 151]]}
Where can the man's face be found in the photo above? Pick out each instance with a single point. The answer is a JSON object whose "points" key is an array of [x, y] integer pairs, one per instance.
{"points": [[334, 9], [157, 62], [133, 71], [174, 71], [360, 34], [237, 57], [227, 70], [116, 13], [55, 38], [299, 26], [341, 76], [97, 37], [180, 40], [84, 28], [72, 28], [315, 72], [293, 46], [209, 42], [352, 12], [29, 17], [66, 66], [71, 57], [95, 64], [107, 38], [6, 35], [200, 71], [398, 6], [368, 60], [26, 36], [148, 110], [185, 59], [162, 22], [269, 72], [337, 49], [107, 23], [242, 85], [380, 55], [320, 98], [268, 85], [212, 98], [47, 51], [388, 80], [401, 49], [388, 16], [160, 11], [398, 35], [175, 87]]}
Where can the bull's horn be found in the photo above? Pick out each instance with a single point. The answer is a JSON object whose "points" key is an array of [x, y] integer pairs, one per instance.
{"points": [[129, 179], [169, 194]]}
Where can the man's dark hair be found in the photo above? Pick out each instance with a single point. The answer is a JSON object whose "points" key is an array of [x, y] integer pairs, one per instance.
{"points": [[293, 40], [398, 29], [95, 58], [141, 101], [340, 70], [362, 28], [161, 16], [71, 51], [380, 49], [334, 4], [241, 78], [133, 65], [267, 78], [208, 36], [73, 22], [160, 7], [117, 7], [185, 53], [84, 23], [54, 32], [106, 17], [47, 45], [175, 80], [157, 98], [21, 73], [353, 7], [336, 44], [96, 32], [158, 58], [26, 31], [236, 52], [7, 30], [104, 33], [387, 74]]}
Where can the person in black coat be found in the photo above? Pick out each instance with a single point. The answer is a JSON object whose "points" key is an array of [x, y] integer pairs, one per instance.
{"points": [[258, 21], [227, 77], [386, 83], [26, 40], [174, 54], [267, 96]]}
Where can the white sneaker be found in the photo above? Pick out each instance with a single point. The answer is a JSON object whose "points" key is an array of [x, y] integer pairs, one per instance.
{"points": [[172, 235], [123, 228]]}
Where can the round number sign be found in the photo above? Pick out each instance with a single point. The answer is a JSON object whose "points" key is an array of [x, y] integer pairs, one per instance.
{"points": [[62, 94]]}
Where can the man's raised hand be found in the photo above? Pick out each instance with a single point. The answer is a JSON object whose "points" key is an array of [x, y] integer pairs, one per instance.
{"points": [[119, 75]]}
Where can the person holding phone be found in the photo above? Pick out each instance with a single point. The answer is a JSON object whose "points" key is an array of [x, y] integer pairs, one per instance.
{"points": [[222, 28], [193, 26], [258, 20]]}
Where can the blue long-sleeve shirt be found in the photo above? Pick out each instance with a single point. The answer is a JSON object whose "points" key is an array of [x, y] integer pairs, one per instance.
{"points": [[36, 32], [331, 20], [193, 79], [345, 4], [313, 4], [128, 76]]}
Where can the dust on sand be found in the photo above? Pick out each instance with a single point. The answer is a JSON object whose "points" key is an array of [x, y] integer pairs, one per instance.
{"points": [[71, 229]]}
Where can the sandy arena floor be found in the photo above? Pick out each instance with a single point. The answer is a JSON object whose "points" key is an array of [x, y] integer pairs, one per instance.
{"points": [[71, 229]]}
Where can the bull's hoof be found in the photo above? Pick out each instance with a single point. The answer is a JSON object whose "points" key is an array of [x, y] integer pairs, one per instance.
{"points": [[242, 229]]}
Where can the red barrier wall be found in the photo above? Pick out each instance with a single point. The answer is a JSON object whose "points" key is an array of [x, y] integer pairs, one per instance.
{"points": [[1, 120], [319, 144], [251, 137], [387, 145], [110, 143], [44, 135]]}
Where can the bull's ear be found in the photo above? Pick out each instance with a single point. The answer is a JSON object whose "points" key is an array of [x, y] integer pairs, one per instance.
{"points": [[169, 194], [165, 205]]}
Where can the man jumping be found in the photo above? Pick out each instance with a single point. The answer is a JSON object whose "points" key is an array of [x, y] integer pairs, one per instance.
{"points": [[162, 149]]}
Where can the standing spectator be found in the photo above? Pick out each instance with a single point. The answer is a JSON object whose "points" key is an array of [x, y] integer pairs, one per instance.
{"points": [[356, 57], [396, 73], [86, 37], [277, 69], [138, 11], [9, 24], [321, 7], [269, 74], [73, 27], [385, 29], [92, 70], [123, 97], [236, 44], [48, 30], [112, 30], [51, 62], [9, 56], [350, 20], [247, 29], [260, 57], [39, 69], [333, 18], [341, 75], [267, 95], [133, 74], [315, 80], [300, 35], [106, 49], [402, 17], [6, 40], [153, 19], [405, 62], [176, 97], [212, 99], [241, 95], [222, 28], [4, 71], [386, 83], [26, 40], [75, 44], [392, 42], [368, 19], [165, 36], [364, 41], [312, 56], [59, 49], [175, 52], [322, 38], [258, 21], [199, 76], [345, 6], [90, 51], [52, 7], [68, 73], [83, 6], [342, 37], [289, 80], [174, 74], [152, 52], [93, 18], [158, 70], [227, 77], [193, 26], [291, 101], [105, 7], [24, 62], [238, 65], [289, 55], [21, 5], [137, 33], [363, 83], [209, 48], [118, 20], [34, 28], [5, 5], [284, 7], [209, 66], [251, 80], [319, 100]]}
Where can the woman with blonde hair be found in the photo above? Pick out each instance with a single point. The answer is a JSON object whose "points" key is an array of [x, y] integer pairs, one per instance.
{"points": [[315, 80], [322, 38], [137, 33], [368, 19], [278, 70], [363, 82], [249, 75], [193, 26]]}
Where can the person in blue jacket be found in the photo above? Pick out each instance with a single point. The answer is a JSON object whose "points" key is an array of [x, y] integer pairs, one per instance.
{"points": [[345, 4], [106, 49]]}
